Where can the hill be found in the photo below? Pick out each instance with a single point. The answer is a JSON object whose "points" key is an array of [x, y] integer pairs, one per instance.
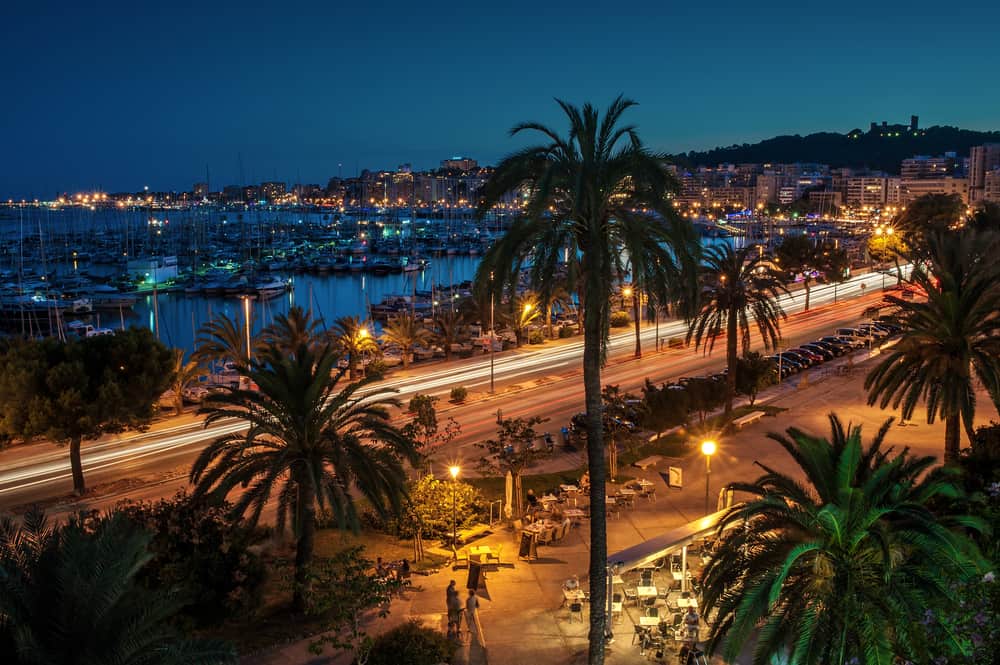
{"points": [[873, 149]]}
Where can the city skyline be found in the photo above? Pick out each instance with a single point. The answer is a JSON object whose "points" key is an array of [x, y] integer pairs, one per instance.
{"points": [[119, 98]]}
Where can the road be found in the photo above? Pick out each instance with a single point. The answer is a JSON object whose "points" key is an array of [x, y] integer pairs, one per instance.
{"points": [[544, 381]]}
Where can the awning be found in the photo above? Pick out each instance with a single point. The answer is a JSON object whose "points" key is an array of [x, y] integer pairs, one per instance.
{"points": [[654, 549]]}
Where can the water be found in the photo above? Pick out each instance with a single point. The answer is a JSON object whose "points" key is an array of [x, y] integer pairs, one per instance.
{"points": [[342, 294]]}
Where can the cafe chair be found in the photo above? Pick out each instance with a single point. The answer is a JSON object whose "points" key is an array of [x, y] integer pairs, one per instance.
{"points": [[576, 609]]}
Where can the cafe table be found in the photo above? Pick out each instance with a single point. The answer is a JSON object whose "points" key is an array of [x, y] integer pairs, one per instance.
{"points": [[649, 621], [480, 552], [645, 591], [685, 603]]}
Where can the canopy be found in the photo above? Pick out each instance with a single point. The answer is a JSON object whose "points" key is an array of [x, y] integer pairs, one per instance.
{"points": [[654, 549]]}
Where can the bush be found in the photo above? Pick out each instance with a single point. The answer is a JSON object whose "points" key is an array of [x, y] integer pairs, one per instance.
{"points": [[620, 319], [459, 393], [536, 337], [566, 331], [197, 547], [410, 644], [376, 368], [431, 507]]}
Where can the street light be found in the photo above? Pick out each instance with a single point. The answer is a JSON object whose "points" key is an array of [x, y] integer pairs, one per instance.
{"points": [[708, 449], [453, 470], [492, 331]]}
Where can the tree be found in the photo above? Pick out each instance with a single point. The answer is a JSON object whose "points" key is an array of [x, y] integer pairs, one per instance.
{"points": [[885, 246], [931, 213], [411, 644], [947, 339], [344, 590], [620, 413], [72, 595], [588, 191], [424, 428], [350, 335], [290, 331], [799, 255], [405, 332], [513, 451], [69, 392], [835, 569], [429, 508], [183, 376], [664, 407], [986, 217], [704, 395], [524, 311], [754, 372], [308, 440], [737, 285], [448, 323], [224, 340]]}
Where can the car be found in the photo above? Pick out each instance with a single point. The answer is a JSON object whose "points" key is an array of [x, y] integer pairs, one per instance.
{"points": [[813, 357], [850, 332], [874, 330], [834, 349], [849, 342], [800, 358], [195, 394], [786, 365], [818, 351]]}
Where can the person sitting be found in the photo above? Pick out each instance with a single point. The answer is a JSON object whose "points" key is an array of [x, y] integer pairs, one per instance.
{"points": [[380, 568], [572, 584], [532, 500], [585, 481]]}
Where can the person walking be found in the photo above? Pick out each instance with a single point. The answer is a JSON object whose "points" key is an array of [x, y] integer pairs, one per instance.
{"points": [[472, 617], [454, 605]]}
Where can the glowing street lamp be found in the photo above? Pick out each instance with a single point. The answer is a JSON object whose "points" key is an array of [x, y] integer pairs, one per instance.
{"points": [[708, 449]]}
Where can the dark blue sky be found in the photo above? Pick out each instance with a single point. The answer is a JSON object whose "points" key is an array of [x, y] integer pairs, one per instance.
{"points": [[118, 95]]}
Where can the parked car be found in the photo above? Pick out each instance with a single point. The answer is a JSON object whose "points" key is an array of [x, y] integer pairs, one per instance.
{"points": [[876, 331], [850, 342], [816, 358], [798, 357], [822, 352], [835, 349], [195, 394], [785, 366]]}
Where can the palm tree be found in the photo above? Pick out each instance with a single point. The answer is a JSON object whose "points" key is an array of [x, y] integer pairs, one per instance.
{"points": [[352, 337], [447, 324], [948, 339], [834, 570], [737, 285], [183, 376], [292, 330], [523, 312], [224, 340], [587, 196], [307, 441], [551, 295], [72, 595], [405, 332]]}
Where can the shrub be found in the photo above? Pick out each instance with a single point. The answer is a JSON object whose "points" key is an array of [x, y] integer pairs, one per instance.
{"points": [[566, 331], [620, 319], [410, 644], [459, 393], [376, 368], [536, 337], [197, 547]]}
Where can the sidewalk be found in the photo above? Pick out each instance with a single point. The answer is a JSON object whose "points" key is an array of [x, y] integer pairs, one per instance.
{"points": [[521, 614]]}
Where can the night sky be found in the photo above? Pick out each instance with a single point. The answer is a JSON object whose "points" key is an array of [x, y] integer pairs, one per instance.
{"points": [[117, 95]]}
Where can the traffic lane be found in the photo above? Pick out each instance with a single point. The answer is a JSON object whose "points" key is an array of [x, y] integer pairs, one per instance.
{"points": [[151, 453]]}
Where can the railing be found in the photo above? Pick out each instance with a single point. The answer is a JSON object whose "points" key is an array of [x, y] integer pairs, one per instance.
{"points": [[496, 511]]}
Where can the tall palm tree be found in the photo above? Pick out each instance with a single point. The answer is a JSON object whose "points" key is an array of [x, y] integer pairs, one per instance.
{"points": [[71, 595], [588, 196], [834, 569], [292, 330], [447, 324], [224, 339], [353, 338], [183, 376], [737, 285], [948, 339], [309, 442], [405, 332]]}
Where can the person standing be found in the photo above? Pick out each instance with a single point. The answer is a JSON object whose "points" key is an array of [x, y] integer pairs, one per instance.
{"points": [[454, 605], [691, 621], [472, 617]]}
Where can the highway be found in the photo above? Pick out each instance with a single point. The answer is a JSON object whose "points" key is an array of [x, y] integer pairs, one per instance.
{"points": [[544, 381]]}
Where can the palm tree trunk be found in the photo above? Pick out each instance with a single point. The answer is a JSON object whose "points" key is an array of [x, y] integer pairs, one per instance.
{"points": [[635, 315], [306, 541], [76, 464], [548, 318], [352, 365], [731, 358], [805, 284], [595, 465], [952, 438]]}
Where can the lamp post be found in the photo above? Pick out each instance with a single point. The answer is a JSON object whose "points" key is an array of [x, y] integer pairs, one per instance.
{"points": [[492, 332], [362, 335], [454, 511], [246, 320], [708, 448]]}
